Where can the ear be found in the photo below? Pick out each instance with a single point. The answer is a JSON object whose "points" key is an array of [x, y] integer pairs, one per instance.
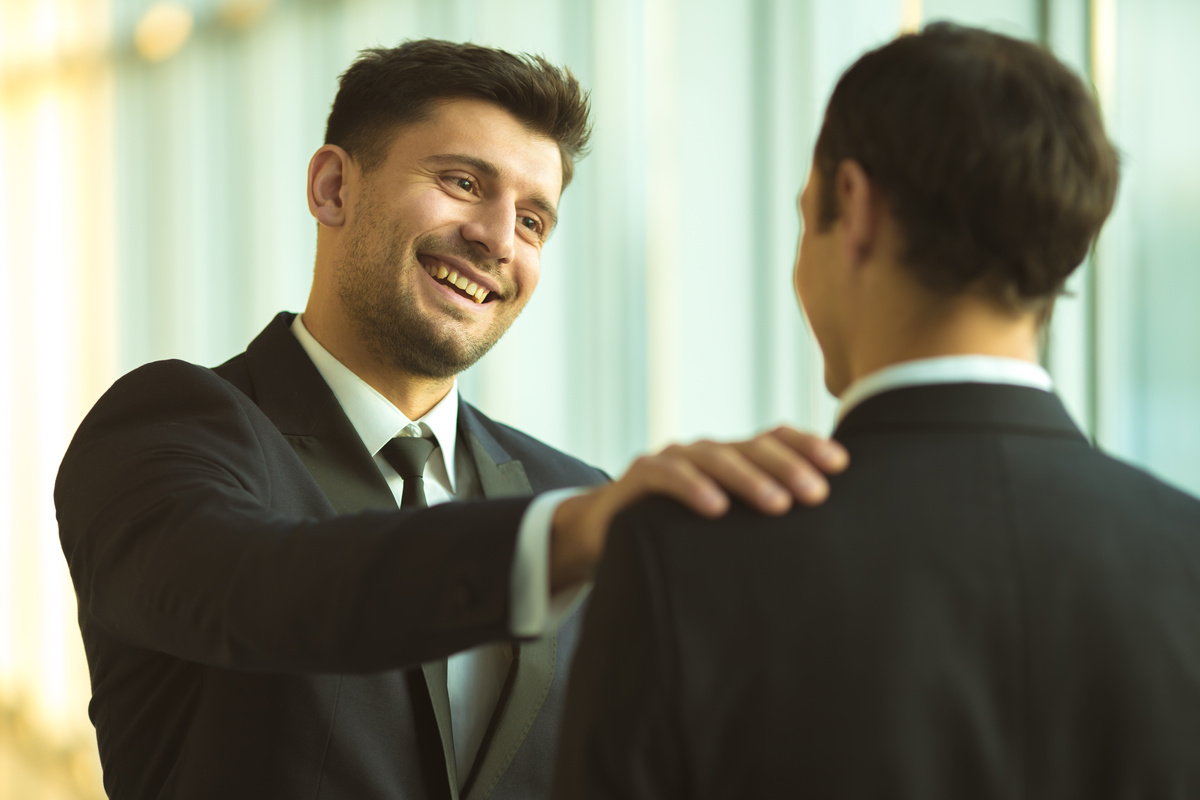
{"points": [[859, 201], [329, 175]]}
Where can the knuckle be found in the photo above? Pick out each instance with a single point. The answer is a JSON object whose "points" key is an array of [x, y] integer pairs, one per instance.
{"points": [[641, 463], [802, 472]]}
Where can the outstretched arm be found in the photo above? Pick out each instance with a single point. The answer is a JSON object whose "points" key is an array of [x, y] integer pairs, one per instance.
{"points": [[191, 529]]}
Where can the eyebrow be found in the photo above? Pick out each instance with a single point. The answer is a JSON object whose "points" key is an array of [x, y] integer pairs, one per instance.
{"points": [[490, 170]]}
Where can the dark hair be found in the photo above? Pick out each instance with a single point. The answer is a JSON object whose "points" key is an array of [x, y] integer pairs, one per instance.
{"points": [[388, 87], [992, 156]]}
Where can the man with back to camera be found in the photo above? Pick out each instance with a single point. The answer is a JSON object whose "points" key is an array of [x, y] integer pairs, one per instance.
{"points": [[986, 607], [259, 619]]}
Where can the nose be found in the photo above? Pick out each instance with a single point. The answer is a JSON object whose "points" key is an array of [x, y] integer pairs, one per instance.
{"points": [[492, 228]]}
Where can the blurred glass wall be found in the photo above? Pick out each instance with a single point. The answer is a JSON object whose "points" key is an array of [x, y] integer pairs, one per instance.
{"points": [[152, 205]]}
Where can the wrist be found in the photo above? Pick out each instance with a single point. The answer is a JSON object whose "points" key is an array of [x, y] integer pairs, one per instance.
{"points": [[576, 540]]}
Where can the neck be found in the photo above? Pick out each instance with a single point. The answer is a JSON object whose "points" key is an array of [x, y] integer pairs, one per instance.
{"points": [[936, 327], [413, 395]]}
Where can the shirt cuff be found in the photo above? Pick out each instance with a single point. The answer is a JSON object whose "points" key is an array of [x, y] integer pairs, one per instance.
{"points": [[534, 612]]}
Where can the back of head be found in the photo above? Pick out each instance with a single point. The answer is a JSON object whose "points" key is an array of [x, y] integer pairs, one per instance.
{"points": [[389, 87], [991, 153]]}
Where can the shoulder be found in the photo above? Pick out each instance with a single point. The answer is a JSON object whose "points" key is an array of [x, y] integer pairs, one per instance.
{"points": [[171, 389], [1114, 472], [166, 425], [236, 371], [677, 548], [165, 412]]}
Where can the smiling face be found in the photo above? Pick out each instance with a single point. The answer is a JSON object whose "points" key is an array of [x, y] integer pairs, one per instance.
{"points": [[443, 241]]}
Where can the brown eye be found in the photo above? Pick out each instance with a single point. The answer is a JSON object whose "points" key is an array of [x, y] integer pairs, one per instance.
{"points": [[466, 184]]}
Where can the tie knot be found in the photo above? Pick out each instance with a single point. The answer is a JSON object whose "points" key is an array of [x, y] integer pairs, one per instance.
{"points": [[408, 455]]}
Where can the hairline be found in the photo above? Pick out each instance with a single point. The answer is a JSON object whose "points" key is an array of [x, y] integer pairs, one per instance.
{"points": [[425, 109]]}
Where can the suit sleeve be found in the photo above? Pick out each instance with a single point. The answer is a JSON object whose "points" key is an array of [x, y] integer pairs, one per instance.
{"points": [[182, 538], [621, 736]]}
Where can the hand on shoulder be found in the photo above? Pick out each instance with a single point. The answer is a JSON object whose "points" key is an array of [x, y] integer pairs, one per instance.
{"points": [[769, 472]]}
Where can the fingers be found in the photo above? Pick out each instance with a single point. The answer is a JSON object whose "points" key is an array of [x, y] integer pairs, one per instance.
{"points": [[789, 469], [797, 460], [731, 472], [768, 472], [827, 455], [676, 474]]}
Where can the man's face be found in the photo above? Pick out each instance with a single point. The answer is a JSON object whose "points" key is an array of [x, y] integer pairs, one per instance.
{"points": [[814, 279], [467, 194]]}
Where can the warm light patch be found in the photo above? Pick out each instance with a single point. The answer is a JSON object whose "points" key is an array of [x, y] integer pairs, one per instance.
{"points": [[910, 16], [241, 14], [162, 31]]}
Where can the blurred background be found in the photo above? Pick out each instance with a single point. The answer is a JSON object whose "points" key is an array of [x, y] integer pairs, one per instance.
{"points": [[152, 205]]}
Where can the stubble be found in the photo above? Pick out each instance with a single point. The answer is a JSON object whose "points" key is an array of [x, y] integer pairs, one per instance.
{"points": [[374, 291]]}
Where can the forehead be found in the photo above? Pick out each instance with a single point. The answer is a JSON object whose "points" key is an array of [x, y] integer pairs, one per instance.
{"points": [[528, 161]]}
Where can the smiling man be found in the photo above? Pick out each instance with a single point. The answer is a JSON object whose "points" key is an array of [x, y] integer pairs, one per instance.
{"points": [[260, 619]]}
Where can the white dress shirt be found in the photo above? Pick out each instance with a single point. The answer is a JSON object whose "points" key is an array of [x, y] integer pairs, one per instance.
{"points": [[474, 677], [945, 369]]}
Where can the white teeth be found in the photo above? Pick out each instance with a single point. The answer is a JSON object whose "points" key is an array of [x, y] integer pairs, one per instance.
{"points": [[460, 281]]}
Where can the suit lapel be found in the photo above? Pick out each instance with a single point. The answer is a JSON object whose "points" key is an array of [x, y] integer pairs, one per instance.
{"points": [[339, 461], [497, 480], [296, 398], [439, 696], [533, 664]]}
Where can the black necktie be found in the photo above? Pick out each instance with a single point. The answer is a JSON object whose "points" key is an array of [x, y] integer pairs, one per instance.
{"points": [[407, 455]]}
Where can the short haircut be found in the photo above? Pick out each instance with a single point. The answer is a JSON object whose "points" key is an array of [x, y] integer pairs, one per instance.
{"points": [[386, 88], [991, 153]]}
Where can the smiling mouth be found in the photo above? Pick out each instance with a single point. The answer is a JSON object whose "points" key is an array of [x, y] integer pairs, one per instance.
{"points": [[459, 283]]}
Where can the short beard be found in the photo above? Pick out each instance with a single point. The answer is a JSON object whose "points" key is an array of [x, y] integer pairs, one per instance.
{"points": [[383, 310]]}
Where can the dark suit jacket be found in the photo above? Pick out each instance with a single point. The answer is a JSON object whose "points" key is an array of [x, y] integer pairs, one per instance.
{"points": [[986, 607], [255, 630]]}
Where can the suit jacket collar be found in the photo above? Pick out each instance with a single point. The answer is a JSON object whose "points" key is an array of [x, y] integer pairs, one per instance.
{"points": [[963, 406], [970, 368], [292, 393], [286, 385], [294, 396]]}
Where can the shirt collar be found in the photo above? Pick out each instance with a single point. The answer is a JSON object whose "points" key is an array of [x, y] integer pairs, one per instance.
{"points": [[373, 416], [945, 369]]}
